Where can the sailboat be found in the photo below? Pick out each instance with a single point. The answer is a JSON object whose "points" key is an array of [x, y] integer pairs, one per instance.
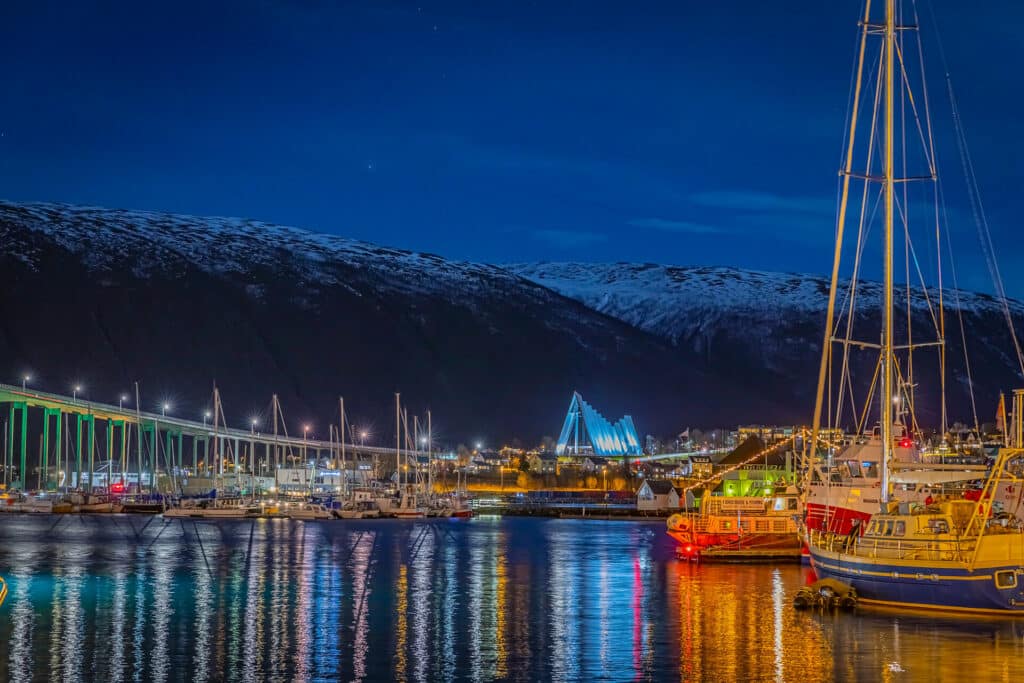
{"points": [[848, 477], [869, 523], [219, 507], [962, 555]]}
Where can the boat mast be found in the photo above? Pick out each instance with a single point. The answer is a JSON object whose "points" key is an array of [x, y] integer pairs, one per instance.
{"points": [[398, 439], [341, 439], [847, 173], [888, 395]]}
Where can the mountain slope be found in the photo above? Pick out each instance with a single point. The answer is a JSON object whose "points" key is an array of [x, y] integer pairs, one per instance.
{"points": [[104, 297], [770, 324]]}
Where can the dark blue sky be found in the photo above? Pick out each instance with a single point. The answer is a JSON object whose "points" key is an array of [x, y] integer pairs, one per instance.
{"points": [[675, 132]]}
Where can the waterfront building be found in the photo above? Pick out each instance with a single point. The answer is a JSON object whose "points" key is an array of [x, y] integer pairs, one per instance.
{"points": [[657, 494]]}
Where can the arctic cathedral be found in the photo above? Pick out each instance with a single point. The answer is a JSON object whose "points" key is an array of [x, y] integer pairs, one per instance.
{"points": [[585, 425]]}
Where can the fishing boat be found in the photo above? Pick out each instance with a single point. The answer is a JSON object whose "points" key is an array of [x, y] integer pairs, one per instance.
{"points": [[751, 527]]}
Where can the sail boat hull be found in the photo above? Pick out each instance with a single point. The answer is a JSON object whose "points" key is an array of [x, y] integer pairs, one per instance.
{"points": [[948, 586]]}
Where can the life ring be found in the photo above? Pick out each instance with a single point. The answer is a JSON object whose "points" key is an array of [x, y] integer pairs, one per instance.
{"points": [[678, 523]]}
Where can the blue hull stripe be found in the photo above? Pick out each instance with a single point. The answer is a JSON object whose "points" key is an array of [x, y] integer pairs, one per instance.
{"points": [[922, 586]]}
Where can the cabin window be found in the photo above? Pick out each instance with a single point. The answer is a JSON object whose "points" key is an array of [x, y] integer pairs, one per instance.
{"points": [[888, 528], [901, 528], [938, 526], [791, 503], [1006, 579]]}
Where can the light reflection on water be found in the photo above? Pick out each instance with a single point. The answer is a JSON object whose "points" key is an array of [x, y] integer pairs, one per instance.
{"points": [[115, 599]]}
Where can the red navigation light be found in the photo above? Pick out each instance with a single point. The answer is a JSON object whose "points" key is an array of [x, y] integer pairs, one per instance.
{"points": [[689, 549], [117, 487], [905, 442]]}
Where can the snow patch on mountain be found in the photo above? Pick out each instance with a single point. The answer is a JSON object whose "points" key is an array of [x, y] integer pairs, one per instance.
{"points": [[676, 301]]}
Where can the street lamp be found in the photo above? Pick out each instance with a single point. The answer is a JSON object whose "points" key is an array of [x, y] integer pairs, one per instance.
{"points": [[74, 395], [362, 437], [120, 401], [206, 416], [24, 380], [305, 434], [165, 408], [252, 445]]}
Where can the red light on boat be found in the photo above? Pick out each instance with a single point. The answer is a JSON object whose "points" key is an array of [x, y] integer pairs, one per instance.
{"points": [[906, 443], [689, 548], [117, 487]]}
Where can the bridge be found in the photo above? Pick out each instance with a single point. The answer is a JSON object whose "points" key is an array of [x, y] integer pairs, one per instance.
{"points": [[103, 432]]}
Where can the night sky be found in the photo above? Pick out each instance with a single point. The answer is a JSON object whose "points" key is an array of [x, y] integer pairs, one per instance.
{"points": [[672, 132]]}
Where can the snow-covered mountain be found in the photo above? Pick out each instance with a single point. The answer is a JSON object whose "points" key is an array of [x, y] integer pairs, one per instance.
{"points": [[746, 321], [104, 297]]}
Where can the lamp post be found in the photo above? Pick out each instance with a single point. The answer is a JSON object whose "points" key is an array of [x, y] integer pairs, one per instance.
{"points": [[206, 416], [74, 395], [252, 445], [25, 379], [305, 435], [362, 438], [165, 407], [120, 401]]}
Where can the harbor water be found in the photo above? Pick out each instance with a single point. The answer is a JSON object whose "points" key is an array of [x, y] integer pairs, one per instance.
{"points": [[133, 598]]}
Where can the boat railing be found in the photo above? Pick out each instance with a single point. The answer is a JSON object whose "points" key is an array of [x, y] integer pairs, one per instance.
{"points": [[954, 549]]}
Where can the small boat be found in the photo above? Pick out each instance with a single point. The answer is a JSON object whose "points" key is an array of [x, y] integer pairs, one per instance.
{"points": [[740, 526], [100, 504], [11, 502], [409, 508], [215, 508], [361, 509], [40, 504], [307, 511]]}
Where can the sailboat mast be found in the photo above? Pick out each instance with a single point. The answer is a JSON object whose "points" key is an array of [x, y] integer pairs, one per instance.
{"points": [[341, 440], [888, 394], [826, 347], [398, 438]]}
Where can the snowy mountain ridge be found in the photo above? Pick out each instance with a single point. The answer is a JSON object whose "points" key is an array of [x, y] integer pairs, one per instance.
{"points": [[671, 300]]}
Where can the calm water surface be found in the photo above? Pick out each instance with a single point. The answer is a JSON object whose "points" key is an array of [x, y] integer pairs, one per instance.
{"points": [[129, 598]]}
